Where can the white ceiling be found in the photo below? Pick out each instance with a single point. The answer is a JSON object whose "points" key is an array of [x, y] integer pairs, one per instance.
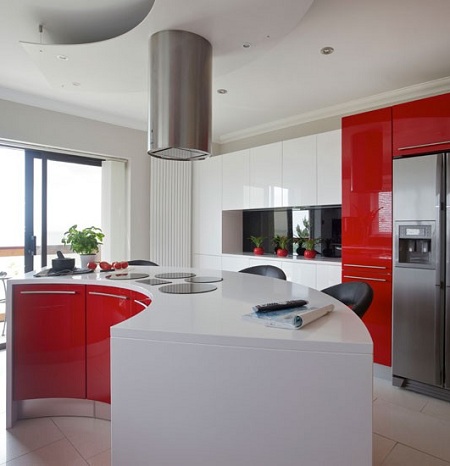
{"points": [[384, 49]]}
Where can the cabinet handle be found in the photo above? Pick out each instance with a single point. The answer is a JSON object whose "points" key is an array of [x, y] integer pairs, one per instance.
{"points": [[110, 295], [365, 266], [418, 146], [48, 292], [366, 278], [141, 303]]}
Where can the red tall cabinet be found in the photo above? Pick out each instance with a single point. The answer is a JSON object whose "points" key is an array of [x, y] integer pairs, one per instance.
{"points": [[367, 218]]}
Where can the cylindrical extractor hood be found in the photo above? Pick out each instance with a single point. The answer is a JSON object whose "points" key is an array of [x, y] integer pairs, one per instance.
{"points": [[180, 96]]}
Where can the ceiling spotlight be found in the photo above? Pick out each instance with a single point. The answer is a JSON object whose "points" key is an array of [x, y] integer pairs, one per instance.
{"points": [[327, 50], [246, 45], [222, 91], [62, 57], [76, 84]]}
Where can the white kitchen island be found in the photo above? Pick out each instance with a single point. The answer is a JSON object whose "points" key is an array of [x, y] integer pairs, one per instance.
{"points": [[194, 384]]}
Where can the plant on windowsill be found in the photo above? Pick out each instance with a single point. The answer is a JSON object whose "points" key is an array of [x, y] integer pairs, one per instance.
{"points": [[257, 241], [85, 242]]}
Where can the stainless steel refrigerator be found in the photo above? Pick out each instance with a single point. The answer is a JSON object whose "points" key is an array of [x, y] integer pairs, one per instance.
{"points": [[421, 275]]}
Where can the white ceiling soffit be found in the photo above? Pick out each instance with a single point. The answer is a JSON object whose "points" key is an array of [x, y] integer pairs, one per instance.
{"points": [[97, 57], [80, 47]]}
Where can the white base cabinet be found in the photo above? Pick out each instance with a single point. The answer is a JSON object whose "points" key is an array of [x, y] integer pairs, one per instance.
{"points": [[318, 274], [204, 404]]}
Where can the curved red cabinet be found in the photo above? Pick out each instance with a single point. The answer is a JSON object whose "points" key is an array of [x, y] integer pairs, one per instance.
{"points": [[49, 341], [105, 306], [61, 338]]}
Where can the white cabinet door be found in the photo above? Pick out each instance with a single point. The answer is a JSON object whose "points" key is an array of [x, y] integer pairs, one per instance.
{"points": [[302, 272], [329, 189], [266, 176], [299, 171], [207, 207], [328, 275], [234, 263], [236, 180]]}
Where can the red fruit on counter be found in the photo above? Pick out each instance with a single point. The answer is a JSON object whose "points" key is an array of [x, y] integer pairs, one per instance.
{"points": [[105, 265], [124, 264], [117, 265], [92, 265]]}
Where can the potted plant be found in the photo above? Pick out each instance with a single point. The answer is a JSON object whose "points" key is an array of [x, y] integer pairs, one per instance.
{"points": [[302, 235], [257, 241], [283, 243], [308, 244], [85, 242]]}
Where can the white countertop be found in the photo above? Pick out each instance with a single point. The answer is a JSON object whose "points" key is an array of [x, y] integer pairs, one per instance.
{"points": [[216, 317]]}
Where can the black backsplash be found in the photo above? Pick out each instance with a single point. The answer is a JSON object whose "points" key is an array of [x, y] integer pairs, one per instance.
{"points": [[325, 222]]}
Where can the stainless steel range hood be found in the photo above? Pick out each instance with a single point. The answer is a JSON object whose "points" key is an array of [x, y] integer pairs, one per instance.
{"points": [[180, 96]]}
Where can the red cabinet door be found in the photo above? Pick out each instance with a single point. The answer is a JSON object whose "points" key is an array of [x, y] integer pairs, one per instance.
{"points": [[367, 216], [421, 126], [139, 302], [378, 318], [106, 306], [367, 189], [49, 341]]}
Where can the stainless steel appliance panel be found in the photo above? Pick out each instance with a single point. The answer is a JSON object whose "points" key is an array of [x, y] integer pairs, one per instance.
{"points": [[415, 194], [416, 343], [418, 292], [447, 275]]}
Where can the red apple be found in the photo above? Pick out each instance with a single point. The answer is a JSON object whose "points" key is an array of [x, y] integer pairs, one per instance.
{"points": [[105, 265], [92, 265]]}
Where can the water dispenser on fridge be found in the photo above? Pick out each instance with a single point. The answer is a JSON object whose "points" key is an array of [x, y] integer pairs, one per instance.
{"points": [[415, 245]]}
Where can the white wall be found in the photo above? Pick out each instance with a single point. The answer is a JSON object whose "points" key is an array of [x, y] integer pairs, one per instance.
{"points": [[33, 125]]}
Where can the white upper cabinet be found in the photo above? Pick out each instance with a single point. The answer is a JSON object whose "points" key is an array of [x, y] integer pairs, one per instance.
{"points": [[236, 180], [300, 171], [329, 186], [207, 206], [266, 176]]}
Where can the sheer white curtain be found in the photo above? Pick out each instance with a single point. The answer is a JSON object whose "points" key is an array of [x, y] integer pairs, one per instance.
{"points": [[114, 211]]}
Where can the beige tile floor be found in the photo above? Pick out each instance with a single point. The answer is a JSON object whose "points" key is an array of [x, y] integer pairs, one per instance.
{"points": [[409, 430]]}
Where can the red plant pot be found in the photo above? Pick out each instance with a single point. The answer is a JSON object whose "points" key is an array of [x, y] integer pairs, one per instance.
{"points": [[258, 251], [282, 252], [308, 254]]}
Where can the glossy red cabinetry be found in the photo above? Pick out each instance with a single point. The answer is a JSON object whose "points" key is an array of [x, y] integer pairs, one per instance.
{"points": [[367, 217], [105, 306], [421, 126], [49, 341]]}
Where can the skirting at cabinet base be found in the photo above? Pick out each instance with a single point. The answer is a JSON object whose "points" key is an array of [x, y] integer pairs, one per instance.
{"points": [[62, 407]]}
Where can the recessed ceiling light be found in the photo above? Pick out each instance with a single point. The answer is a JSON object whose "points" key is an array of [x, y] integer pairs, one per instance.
{"points": [[222, 91], [62, 57], [246, 45], [327, 50], [76, 83]]}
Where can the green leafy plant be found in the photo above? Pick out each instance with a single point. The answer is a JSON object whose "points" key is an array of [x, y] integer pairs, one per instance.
{"points": [[86, 241], [309, 243], [282, 241], [257, 240]]}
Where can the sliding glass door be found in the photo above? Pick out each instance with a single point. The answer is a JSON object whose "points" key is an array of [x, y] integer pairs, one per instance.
{"points": [[61, 191], [43, 195]]}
